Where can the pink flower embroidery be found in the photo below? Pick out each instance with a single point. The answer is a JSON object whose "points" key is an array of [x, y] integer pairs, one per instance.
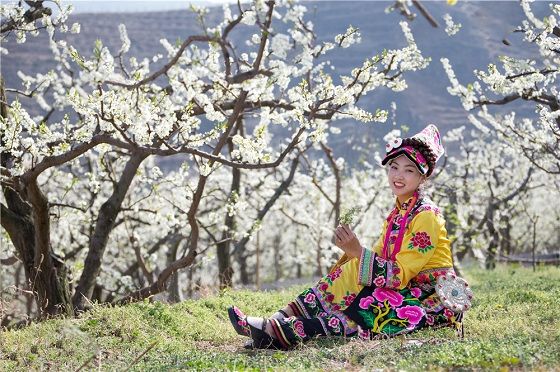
{"points": [[430, 319], [448, 313], [363, 334], [323, 287], [335, 307], [335, 274], [396, 270], [366, 301], [309, 298], [238, 312], [416, 292], [329, 297], [381, 294], [348, 299], [396, 283], [242, 322], [322, 314], [333, 322], [413, 313], [379, 281], [298, 328], [380, 260]]}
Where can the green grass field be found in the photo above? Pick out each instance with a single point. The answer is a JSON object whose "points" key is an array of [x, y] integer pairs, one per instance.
{"points": [[514, 324]]}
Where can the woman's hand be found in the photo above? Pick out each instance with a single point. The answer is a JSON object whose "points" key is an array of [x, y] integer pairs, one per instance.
{"points": [[346, 240]]}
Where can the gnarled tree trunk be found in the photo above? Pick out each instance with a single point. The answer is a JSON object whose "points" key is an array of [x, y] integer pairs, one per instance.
{"points": [[26, 219]]}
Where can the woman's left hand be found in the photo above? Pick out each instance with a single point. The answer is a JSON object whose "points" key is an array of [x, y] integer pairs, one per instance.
{"points": [[346, 240]]}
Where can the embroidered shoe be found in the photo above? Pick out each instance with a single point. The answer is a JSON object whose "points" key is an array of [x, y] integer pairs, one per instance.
{"points": [[262, 340], [239, 321], [259, 338]]}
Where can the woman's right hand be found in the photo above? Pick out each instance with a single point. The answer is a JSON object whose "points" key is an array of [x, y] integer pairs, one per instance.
{"points": [[346, 240]]}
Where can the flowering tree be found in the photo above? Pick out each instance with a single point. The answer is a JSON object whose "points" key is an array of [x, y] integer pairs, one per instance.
{"points": [[89, 161], [534, 81], [485, 198]]}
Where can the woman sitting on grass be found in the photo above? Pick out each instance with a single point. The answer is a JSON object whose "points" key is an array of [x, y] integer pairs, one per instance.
{"points": [[389, 289]]}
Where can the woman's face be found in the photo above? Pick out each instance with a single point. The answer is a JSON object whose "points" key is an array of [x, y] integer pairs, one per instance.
{"points": [[404, 177]]}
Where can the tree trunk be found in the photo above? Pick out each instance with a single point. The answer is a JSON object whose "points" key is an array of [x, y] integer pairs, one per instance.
{"points": [[174, 290], [240, 245], [451, 225], [505, 232], [493, 243], [243, 272], [258, 263], [223, 247], [278, 272], [26, 220], [103, 227]]}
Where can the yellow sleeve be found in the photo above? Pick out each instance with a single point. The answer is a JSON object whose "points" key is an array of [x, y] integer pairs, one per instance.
{"points": [[418, 246]]}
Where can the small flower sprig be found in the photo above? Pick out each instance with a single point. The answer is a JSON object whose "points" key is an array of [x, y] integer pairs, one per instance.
{"points": [[347, 216]]}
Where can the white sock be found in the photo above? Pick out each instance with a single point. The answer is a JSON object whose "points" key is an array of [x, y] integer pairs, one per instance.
{"points": [[255, 322], [278, 315]]}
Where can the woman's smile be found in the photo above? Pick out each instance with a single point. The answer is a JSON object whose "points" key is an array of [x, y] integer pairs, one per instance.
{"points": [[404, 177]]}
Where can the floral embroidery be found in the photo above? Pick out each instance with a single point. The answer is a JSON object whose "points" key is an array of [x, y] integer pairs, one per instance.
{"points": [[364, 334], [379, 281], [375, 270], [413, 314], [310, 299], [395, 298], [416, 292], [430, 319], [366, 301], [334, 324], [384, 311], [421, 240], [298, 328], [349, 298], [448, 313], [335, 274], [242, 320]]}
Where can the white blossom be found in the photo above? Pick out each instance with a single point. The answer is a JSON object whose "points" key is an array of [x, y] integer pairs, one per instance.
{"points": [[451, 28]]}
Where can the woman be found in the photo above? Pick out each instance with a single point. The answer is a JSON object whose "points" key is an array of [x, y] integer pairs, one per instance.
{"points": [[389, 289]]}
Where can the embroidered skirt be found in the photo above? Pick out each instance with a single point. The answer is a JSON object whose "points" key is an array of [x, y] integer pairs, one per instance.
{"points": [[338, 306]]}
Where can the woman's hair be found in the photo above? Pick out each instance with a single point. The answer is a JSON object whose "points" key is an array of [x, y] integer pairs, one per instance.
{"points": [[424, 150]]}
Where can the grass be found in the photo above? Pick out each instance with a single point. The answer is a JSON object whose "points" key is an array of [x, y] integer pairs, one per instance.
{"points": [[514, 324]]}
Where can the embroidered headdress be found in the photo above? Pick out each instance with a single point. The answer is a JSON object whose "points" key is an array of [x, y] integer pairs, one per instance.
{"points": [[431, 140]]}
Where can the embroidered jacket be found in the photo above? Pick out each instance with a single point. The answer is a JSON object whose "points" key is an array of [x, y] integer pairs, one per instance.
{"points": [[424, 245]]}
